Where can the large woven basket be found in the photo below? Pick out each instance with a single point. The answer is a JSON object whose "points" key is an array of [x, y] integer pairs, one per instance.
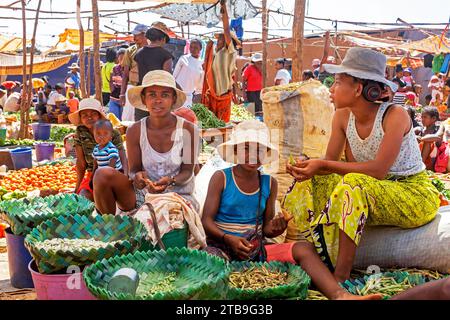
{"points": [[25, 214], [129, 234], [297, 282], [356, 286], [198, 275]]}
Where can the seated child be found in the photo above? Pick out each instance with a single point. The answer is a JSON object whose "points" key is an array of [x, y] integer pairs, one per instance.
{"points": [[105, 153], [430, 137], [240, 208], [73, 102]]}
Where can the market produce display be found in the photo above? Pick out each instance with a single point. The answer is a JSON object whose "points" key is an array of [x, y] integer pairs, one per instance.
{"points": [[63, 244], [240, 113], [206, 118], [30, 142], [7, 195], [25, 214], [175, 274], [58, 177], [122, 235], [269, 280], [257, 278], [58, 133]]}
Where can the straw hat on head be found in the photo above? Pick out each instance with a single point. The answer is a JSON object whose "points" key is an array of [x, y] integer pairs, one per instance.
{"points": [[86, 104], [248, 131], [257, 57], [155, 78], [364, 64], [158, 25], [74, 66]]}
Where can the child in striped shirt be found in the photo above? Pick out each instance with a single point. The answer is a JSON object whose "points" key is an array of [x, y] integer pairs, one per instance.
{"points": [[105, 153]]}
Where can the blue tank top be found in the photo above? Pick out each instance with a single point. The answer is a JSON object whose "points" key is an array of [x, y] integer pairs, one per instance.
{"points": [[237, 210]]}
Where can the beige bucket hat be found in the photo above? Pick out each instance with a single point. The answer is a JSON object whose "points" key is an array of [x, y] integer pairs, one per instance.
{"points": [[248, 131], [74, 66], [86, 104], [155, 78]]}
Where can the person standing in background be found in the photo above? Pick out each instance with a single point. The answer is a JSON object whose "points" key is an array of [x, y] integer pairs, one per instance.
{"points": [[130, 70], [282, 77], [73, 79], [115, 85], [153, 57], [253, 79], [316, 67], [189, 71], [400, 95], [111, 56]]}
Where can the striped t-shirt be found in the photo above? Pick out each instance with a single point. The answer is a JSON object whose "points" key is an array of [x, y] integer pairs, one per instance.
{"points": [[103, 156]]}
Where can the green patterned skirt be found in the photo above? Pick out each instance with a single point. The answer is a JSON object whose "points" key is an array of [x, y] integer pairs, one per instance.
{"points": [[327, 204]]}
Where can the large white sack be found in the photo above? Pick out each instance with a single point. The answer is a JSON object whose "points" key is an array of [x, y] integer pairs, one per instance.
{"points": [[427, 247]]}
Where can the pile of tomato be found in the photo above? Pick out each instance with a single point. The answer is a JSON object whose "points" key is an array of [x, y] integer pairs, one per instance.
{"points": [[58, 177]]}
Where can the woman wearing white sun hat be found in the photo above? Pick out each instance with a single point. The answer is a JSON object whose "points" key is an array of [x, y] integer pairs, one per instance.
{"points": [[162, 150]]}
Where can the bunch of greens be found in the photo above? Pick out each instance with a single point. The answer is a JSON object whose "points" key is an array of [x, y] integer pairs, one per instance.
{"points": [[206, 118]]}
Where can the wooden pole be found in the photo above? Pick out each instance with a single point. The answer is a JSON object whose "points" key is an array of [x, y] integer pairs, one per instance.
{"points": [[89, 73], [96, 38], [23, 99], [30, 87], [298, 34], [265, 32], [81, 53], [129, 22]]}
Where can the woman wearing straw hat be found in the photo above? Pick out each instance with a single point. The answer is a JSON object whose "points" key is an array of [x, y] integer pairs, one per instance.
{"points": [[72, 80], [88, 113], [162, 150], [239, 210], [383, 181]]}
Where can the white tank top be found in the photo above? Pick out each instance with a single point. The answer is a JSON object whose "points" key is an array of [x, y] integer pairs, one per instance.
{"points": [[409, 160], [158, 165]]}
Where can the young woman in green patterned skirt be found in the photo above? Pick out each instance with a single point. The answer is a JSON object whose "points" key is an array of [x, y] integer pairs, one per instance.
{"points": [[383, 181]]}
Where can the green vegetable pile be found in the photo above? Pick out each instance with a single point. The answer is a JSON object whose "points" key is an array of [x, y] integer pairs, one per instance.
{"points": [[58, 133], [30, 142], [239, 113], [151, 287], [440, 186], [206, 118], [6, 195]]}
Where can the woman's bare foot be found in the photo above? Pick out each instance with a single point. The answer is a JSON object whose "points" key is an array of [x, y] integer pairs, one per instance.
{"points": [[348, 296]]}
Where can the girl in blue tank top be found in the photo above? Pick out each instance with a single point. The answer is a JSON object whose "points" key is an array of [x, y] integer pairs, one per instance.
{"points": [[239, 211]]}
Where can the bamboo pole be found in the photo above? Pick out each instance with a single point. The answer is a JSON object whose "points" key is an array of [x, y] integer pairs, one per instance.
{"points": [[30, 87], [81, 53], [23, 99], [298, 34], [96, 36], [265, 32], [89, 73]]}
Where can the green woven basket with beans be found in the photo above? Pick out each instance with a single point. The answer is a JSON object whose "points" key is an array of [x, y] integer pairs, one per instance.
{"points": [[388, 283], [81, 240], [175, 274], [25, 214], [267, 280]]}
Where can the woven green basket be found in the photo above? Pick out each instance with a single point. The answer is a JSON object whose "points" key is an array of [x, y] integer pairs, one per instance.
{"points": [[198, 275], [297, 282], [25, 214], [107, 228], [356, 286]]}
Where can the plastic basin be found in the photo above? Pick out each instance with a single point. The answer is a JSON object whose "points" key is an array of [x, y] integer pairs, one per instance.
{"points": [[68, 286], [18, 260], [45, 151], [41, 131], [21, 158]]}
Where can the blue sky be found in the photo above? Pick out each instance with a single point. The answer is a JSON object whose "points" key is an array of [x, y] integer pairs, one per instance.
{"points": [[353, 10]]}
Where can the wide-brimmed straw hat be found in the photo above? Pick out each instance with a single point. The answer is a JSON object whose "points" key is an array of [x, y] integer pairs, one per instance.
{"points": [[364, 64], [86, 104], [158, 25], [155, 78], [251, 131], [257, 57], [74, 66]]}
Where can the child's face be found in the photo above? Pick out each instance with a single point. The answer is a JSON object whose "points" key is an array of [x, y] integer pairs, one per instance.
{"points": [[89, 118], [406, 74], [102, 135], [428, 120], [250, 155], [343, 91]]}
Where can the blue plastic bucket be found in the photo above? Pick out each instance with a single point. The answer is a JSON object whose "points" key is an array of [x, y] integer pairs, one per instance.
{"points": [[41, 131], [18, 260], [22, 158], [45, 151]]}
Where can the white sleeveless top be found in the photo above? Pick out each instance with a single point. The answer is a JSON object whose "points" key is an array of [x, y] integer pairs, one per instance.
{"points": [[409, 160], [158, 165]]}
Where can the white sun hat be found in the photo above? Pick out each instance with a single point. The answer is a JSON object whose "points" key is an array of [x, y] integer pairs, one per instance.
{"points": [[250, 131], [86, 104]]}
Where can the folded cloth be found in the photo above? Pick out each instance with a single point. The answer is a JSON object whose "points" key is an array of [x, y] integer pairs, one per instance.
{"points": [[171, 210]]}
